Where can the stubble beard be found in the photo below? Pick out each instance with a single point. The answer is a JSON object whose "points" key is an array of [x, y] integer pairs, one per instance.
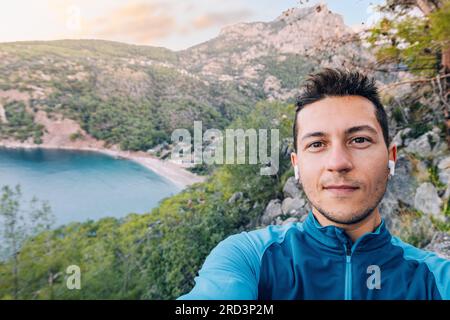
{"points": [[355, 217]]}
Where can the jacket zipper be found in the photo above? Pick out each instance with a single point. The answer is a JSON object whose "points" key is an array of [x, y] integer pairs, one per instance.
{"points": [[348, 272]]}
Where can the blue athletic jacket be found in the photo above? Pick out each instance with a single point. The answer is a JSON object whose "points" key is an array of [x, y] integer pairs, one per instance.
{"points": [[308, 261]]}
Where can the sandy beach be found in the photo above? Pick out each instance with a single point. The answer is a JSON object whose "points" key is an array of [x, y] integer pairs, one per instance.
{"points": [[170, 170]]}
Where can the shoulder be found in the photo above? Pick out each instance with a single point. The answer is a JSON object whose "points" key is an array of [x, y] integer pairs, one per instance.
{"points": [[248, 247], [438, 266], [260, 239]]}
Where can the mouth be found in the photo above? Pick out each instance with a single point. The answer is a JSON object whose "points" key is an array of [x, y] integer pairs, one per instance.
{"points": [[341, 190]]}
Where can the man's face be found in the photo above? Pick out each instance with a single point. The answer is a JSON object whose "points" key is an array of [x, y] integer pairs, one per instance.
{"points": [[343, 171]]}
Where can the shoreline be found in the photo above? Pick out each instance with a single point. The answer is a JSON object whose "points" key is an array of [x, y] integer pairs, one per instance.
{"points": [[173, 172]]}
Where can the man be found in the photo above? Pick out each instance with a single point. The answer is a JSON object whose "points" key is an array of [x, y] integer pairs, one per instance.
{"points": [[343, 250]]}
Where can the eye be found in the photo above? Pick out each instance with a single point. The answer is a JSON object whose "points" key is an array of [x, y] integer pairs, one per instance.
{"points": [[315, 145], [361, 140]]}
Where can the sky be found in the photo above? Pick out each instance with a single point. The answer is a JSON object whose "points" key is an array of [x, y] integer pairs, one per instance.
{"points": [[173, 24]]}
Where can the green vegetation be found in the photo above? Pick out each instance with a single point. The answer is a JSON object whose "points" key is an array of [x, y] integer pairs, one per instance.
{"points": [[414, 228], [91, 48], [434, 178], [17, 225], [20, 125], [202, 169], [417, 42], [289, 68], [414, 36], [444, 225], [76, 136]]}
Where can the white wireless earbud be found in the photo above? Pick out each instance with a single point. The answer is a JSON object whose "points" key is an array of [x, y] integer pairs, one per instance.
{"points": [[296, 172], [391, 167]]}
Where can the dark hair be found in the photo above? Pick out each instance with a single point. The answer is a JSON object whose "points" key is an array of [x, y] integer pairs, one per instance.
{"points": [[337, 82]]}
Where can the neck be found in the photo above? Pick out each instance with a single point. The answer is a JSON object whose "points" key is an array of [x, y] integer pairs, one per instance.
{"points": [[354, 231]]}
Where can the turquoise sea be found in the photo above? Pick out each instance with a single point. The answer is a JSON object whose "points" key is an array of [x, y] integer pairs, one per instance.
{"points": [[82, 185]]}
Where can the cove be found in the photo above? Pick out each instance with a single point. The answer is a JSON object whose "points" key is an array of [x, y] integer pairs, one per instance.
{"points": [[83, 185]]}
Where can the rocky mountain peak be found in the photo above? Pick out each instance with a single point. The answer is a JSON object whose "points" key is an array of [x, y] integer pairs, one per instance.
{"points": [[293, 14], [259, 54], [295, 30]]}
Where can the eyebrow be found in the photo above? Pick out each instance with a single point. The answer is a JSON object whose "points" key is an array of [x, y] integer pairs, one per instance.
{"points": [[347, 132]]}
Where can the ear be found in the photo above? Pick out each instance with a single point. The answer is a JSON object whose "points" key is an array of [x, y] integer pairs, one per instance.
{"points": [[293, 159], [294, 162], [393, 152]]}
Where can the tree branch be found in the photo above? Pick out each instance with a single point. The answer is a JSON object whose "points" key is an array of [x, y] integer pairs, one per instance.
{"points": [[421, 80]]}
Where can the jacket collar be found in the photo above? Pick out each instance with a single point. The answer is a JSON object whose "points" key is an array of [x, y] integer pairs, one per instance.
{"points": [[336, 238]]}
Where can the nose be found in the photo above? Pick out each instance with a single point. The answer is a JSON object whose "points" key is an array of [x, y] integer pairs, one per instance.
{"points": [[339, 159]]}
